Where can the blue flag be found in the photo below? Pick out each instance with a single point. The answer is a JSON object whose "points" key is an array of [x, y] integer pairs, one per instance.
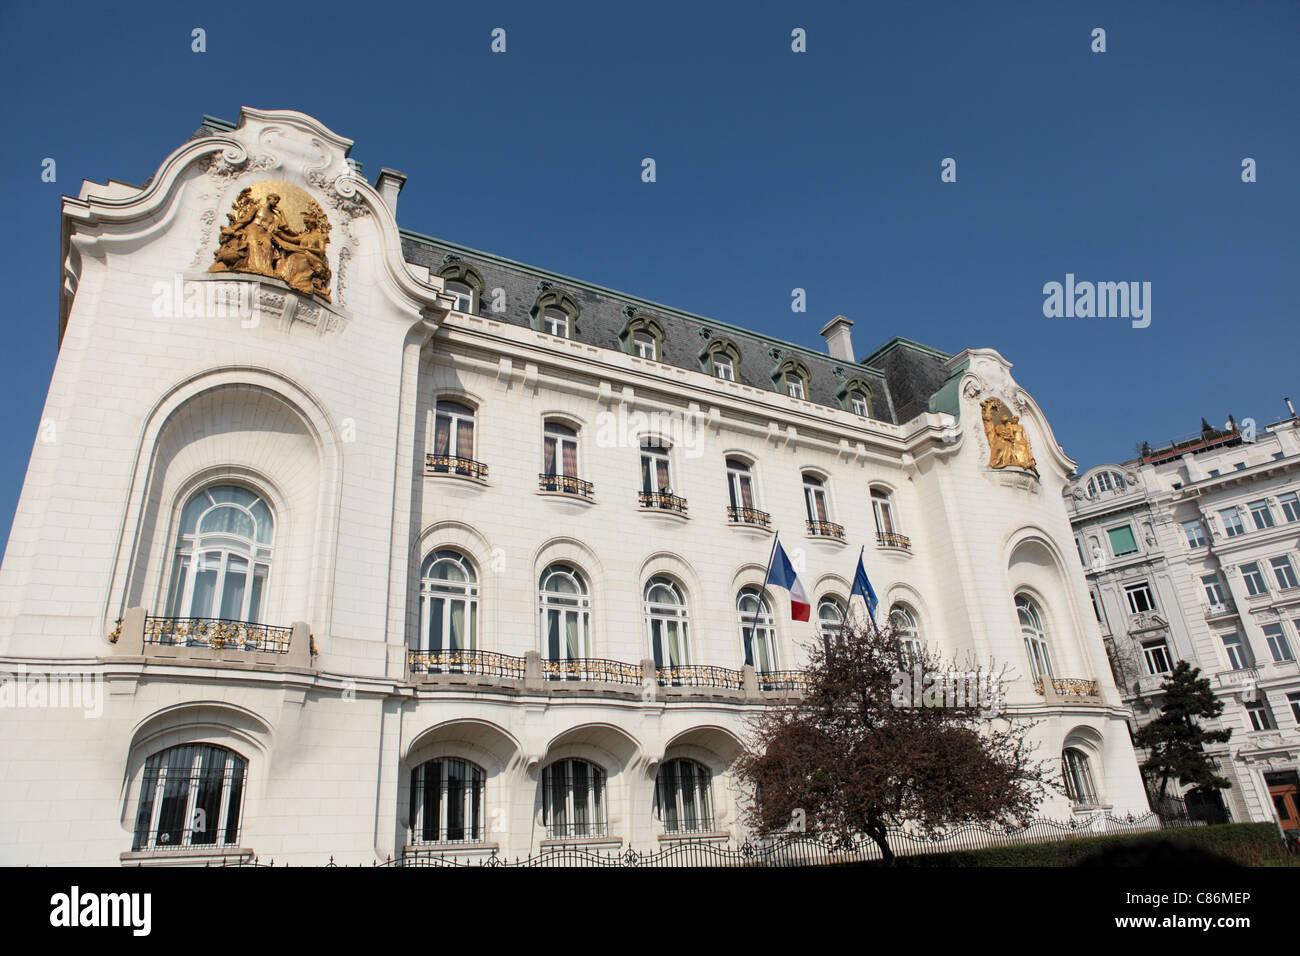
{"points": [[862, 586]]}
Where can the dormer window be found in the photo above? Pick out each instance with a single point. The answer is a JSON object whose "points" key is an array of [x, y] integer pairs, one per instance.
{"points": [[643, 344], [794, 387], [723, 368], [858, 402], [855, 396], [555, 322], [792, 378], [464, 296], [720, 358], [463, 282]]}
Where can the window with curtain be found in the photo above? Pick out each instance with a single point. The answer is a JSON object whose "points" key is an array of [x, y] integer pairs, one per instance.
{"points": [[757, 630], [1035, 637], [447, 801], [449, 594], [573, 799], [667, 622], [223, 555], [903, 620], [740, 483], [682, 797], [655, 475], [1077, 771], [831, 612], [883, 507], [559, 450], [453, 433], [814, 494], [190, 796], [564, 608]]}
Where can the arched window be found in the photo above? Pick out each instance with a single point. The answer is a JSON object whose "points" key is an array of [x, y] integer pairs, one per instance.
{"points": [[720, 358], [757, 630], [559, 451], [883, 506], [657, 479], [792, 377], [223, 555], [855, 396], [555, 312], [831, 613], [564, 607], [645, 346], [682, 798], [453, 439], [667, 622], [573, 799], [642, 336], [1077, 771], [555, 321], [464, 282], [1035, 635], [447, 801], [191, 795], [741, 507], [448, 603], [903, 620], [463, 293], [814, 495], [1105, 481]]}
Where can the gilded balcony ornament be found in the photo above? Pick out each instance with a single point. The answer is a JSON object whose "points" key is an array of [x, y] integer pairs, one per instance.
{"points": [[277, 230], [1008, 443]]}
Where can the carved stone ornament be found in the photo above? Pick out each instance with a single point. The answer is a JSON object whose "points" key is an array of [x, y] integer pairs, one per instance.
{"points": [[277, 230], [1008, 443]]}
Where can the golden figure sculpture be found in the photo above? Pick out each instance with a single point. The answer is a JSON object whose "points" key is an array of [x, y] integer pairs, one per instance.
{"points": [[261, 238], [1008, 443]]}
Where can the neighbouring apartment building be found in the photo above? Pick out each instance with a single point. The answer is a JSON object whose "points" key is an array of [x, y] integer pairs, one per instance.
{"points": [[1192, 553], [372, 543]]}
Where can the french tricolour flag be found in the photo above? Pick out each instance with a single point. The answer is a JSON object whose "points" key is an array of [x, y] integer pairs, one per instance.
{"points": [[781, 573]]}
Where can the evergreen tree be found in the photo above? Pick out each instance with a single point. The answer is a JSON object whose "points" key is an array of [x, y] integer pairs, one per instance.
{"points": [[1175, 740]]}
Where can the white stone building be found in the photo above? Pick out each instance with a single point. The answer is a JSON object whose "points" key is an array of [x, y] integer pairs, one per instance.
{"points": [[1191, 554], [482, 538]]}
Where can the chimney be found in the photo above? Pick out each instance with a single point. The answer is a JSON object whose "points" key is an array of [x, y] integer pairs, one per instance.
{"points": [[390, 183], [839, 340]]}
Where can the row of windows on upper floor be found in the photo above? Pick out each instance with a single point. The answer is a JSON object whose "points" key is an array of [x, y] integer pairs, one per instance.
{"points": [[192, 796], [556, 313], [1123, 542], [225, 549], [454, 453]]}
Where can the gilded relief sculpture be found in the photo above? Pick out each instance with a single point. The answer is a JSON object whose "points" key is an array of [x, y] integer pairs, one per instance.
{"points": [[1008, 443], [262, 239]]}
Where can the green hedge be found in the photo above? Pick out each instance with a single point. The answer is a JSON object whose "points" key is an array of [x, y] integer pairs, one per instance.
{"points": [[1232, 844]]}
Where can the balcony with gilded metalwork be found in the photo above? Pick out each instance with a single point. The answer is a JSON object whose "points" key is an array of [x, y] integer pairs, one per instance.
{"points": [[1068, 690], [894, 542], [749, 516], [826, 529], [565, 485], [455, 465], [662, 501], [205, 639], [471, 662], [700, 675]]}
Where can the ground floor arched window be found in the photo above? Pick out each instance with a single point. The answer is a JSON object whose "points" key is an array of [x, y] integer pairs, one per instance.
{"points": [[447, 801], [190, 796], [573, 799], [683, 801]]}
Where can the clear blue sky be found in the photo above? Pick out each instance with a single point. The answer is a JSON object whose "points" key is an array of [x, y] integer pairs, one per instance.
{"points": [[775, 170]]}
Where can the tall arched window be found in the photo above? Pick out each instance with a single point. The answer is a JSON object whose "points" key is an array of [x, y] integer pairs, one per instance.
{"points": [[667, 622], [448, 603], [814, 495], [565, 613], [191, 795], [757, 630], [859, 404], [903, 620], [830, 618], [883, 506], [741, 508], [447, 801], [560, 453], [1079, 784], [453, 439], [1035, 635], [223, 555], [682, 797], [573, 799]]}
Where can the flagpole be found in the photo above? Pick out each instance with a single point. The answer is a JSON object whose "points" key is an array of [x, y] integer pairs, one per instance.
{"points": [[762, 593]]}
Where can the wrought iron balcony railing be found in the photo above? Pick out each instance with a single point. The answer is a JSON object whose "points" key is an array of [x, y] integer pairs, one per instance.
{"points": [[592, 669], [465, 662], [826, 529], [760, 519], [782, 680], [217, 632], [455, 465], [565, 484], [887, 539], [700, 675], [662, 502]]}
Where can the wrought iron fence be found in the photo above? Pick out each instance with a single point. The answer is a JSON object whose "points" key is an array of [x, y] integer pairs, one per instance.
{"points": [[592, 669], [784, 851], [782, 680], [465, 662], [887, 539], [661, 501], [455, 465], [700, 675], [217, 632], [566, 484], [826, 529], [752, 516]]}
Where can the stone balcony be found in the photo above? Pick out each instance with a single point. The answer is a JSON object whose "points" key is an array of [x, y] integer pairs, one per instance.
{"points": [[192, 639], [1068, 690]]}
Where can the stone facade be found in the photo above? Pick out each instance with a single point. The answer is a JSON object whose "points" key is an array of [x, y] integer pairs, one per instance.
{"points": [[328, 415]]}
